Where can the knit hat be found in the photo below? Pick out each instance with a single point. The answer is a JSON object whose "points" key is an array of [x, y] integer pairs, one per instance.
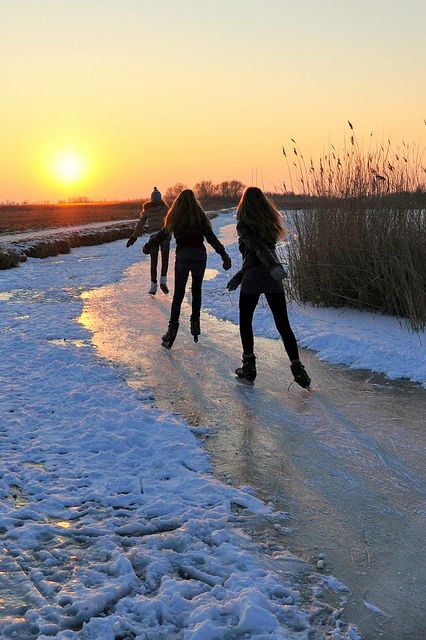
{"points": [[156, 195]]}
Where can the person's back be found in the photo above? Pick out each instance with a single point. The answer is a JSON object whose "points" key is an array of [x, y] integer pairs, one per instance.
{"points": [[259, 227], [153, 214], [188, 222]]}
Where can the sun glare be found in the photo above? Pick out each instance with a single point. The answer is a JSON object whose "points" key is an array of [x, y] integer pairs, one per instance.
{"points": [[69, 167]]}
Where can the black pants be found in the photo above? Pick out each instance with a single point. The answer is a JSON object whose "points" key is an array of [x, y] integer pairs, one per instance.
{"points": [[183, 267], [164, 247], [278, 306]]}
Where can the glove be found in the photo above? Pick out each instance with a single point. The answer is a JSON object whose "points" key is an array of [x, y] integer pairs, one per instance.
{"points": [[226, 262], [278, 273], [235, 281], [131, 241], [146, 249]]}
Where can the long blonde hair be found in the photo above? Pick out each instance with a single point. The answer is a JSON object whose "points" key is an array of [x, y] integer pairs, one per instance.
{"points": [[255, 210], [185, 211]]}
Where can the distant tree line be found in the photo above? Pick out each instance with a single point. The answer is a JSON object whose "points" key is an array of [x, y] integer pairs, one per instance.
{"points": [[224, 194]]}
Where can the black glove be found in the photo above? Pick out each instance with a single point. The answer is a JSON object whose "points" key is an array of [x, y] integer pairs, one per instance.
{"points": [[131, 241], [235, 281], [146, 248], [226, 260], [278, 273]]}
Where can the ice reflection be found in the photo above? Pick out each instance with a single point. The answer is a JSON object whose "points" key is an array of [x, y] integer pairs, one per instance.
{"points": [[347, 463]]}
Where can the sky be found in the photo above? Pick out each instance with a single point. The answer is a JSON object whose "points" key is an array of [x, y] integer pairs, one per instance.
{"points": [[106, 99]]}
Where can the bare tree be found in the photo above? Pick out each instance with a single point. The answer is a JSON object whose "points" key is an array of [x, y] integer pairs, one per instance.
{"points": [[231, 190], [205, 190], [174, 191]]}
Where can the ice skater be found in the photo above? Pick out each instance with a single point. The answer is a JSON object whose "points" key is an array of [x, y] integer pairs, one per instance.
{"points": [[259, 227], [189, 224], [153, 214]]}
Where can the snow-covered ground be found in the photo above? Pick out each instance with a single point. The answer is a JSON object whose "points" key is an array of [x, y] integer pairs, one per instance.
{"points": [[112, 526]]}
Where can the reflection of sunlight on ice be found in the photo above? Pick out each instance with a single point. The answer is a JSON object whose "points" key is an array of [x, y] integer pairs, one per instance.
{"points": [[7, 295], [210, 274], [64, 524], [66, 342]]}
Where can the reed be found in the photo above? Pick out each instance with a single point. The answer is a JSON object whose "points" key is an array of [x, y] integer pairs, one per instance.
{"points": [[363, 242]]}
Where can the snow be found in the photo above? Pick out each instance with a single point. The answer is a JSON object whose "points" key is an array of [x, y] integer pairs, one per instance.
{"points": [[112, 524]]}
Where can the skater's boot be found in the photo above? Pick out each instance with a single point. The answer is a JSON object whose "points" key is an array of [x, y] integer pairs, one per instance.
{"points": [[248, 370], [163, 284], [300, 375], [153, 288], [195, 328], [169, 337]]}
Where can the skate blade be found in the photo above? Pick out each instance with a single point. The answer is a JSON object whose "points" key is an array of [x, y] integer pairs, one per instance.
{"points": [[248, 383]]}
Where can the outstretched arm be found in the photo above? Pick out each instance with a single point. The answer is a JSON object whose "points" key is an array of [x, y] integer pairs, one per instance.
{"points": [[214, 241], [155, 240], [138, 230]]}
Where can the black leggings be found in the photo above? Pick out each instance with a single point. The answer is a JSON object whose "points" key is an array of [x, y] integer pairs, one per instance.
{"points": [[164, 247], [278, 306], [183, 268]]}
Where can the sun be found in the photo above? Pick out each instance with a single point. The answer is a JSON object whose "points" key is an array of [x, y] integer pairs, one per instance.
{"points": [[69, 167]]}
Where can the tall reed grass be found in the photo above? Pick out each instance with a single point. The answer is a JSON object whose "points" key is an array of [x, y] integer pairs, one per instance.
{"points": [[363, 242]]}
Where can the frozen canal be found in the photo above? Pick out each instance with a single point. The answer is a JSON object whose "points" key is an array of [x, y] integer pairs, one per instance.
{"points": [[347, 462]]}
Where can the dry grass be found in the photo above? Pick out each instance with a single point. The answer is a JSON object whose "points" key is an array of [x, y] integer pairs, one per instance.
{"points": [[24, 217], [363, 243]]}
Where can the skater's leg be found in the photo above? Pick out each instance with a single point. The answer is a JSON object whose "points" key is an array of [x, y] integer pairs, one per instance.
{"points": [[154, 262], [197, 272], [198, 268], [182, 268], [165, 251], [248, 303], [277, 304]]}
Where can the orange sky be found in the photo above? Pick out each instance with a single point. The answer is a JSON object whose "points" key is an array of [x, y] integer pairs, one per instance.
{"points": [[131, 93]]}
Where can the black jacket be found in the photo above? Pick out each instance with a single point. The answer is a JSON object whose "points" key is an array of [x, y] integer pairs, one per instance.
{"points": [[255, 252], [189, 238]]}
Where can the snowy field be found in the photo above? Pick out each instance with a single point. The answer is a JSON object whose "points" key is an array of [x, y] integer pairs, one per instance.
{"points": [[112, 526]]}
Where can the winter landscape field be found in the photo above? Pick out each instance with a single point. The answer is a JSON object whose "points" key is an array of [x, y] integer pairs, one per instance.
{"points": [[116, 519]]}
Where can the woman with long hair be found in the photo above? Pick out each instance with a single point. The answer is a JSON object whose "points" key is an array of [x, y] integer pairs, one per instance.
{"points": [[152, 216], [259, 227], [189, 224]]}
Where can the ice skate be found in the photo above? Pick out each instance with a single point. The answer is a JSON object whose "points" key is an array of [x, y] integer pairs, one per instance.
{"points": [[169, 337], [248, 370], [300, 375], [163, 284], [195, 328]]}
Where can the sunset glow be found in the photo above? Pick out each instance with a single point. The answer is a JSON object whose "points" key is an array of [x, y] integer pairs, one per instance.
{"points": [[69, 167], [212, 90]]}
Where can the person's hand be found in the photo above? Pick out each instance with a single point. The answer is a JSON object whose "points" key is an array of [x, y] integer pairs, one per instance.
{"points": [[234, 282], [278, 273], [131, 241], [146, 249], [226, 262]]}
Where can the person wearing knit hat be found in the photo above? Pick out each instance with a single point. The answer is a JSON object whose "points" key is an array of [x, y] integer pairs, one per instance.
{"points": [[156, 196], [153, 214]]}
